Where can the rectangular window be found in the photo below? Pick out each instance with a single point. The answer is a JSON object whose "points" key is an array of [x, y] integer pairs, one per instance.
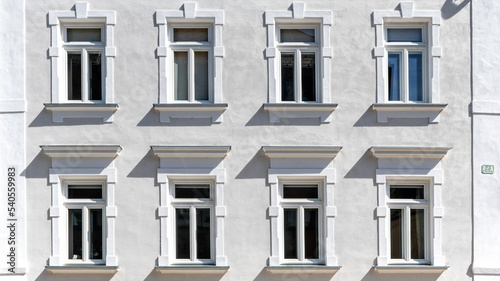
{"points": [[193, 207], [298, 48], [406, 64], [85, 205], [301, 222], [84, 69], [191, 49], [408, 228]]}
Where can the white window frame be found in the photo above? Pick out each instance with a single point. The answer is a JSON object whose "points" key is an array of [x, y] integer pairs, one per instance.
{"points": [[193, 204], [189, 16], [84, 48], [405, 48], [408, 17], [208, 169], [85, 205], [81, 164], [301, 204], [297, 48], [417, 165], [299, 17], [81, 17], [190, 47], [407, 205]]}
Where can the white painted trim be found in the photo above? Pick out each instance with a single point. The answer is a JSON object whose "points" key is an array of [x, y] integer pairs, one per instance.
{"points": [[204, 269], [298, 15], [434, 177], [428, 111], [189, 14], [278, 174], [191, 110], [81, 15], [299, 269], [12, 106], [323, 111], [409, 151], [58, 175], [486, 270], [301, 151], [216, 175], [62, 111], [408, 15], [82, 269], [485, 107], [410, 269]]}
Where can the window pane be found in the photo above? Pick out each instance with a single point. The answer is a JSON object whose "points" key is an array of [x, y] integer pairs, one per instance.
{"points": [[95, 77], [415, 77], [182, 233], [297, 35], [203, 233], [308, 77], [406, 192], [190, 34], [311, 233], [293, 191], [394, 75], [404, 35], [192, 191], [417, 234], [181, 75], [74, 77], [83, 34], [287, 77], [95, 230], [75, 234], [201, 75], [84, 192], [290, 233], [396, 234]]}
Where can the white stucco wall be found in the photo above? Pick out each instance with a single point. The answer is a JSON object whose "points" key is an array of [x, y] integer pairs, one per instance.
{"points": [[12, 140], [486, 110], [246, 129]]}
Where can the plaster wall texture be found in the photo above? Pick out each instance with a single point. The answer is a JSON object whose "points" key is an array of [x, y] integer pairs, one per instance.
{"points": [[485, 88], [12, 128], [246, 129]]}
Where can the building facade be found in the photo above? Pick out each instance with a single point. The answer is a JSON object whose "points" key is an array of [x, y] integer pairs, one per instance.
{"points": [[236, 140]]}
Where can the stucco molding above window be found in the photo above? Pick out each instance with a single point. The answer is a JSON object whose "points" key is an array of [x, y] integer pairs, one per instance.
{"points": [[171, 104], [316, 103], [426, 104], [61, 105]]}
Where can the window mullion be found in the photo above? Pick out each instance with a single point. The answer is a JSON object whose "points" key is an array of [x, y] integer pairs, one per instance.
{"points": [[191, 90], [298, 75], [406, 77], [192, 232], [407, 233], [85, 75], [85, 234], [301, 238]]}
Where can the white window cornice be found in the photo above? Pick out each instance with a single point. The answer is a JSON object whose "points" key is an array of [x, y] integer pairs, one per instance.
{"points": [[191, 151], [301, 151], [409, 151], [110, 151]]}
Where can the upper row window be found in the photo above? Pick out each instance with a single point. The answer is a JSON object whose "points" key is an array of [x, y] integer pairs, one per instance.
{"points": [[406, 64], [299, 49], [84, 50]]}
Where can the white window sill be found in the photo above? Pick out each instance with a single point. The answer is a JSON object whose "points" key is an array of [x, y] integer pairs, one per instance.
{"points": [[414, 268], [428, 111], [194, 269], [213, 111], [303, 269], [83, 269], [322, 111], [60, 111]]}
